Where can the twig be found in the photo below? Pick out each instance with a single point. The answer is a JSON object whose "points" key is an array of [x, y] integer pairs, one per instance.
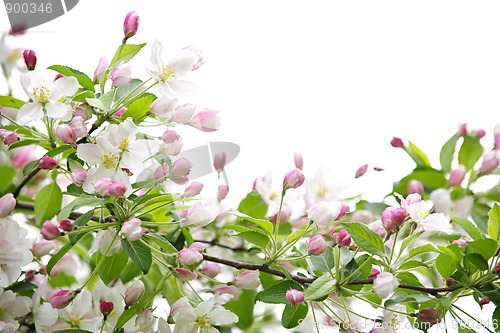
{"points": [[25, 181]]}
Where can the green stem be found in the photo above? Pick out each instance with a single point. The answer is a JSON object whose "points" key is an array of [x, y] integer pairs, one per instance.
{"points": [[277, 226], [356, 270], [393, 248]]}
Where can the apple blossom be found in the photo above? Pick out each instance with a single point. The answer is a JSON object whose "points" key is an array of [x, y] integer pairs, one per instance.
{"points": [[206, 120], [42, 247], [247, 280], [61, 299], [199, 55], [101, 68], [192, 190], [397, 142], [29, 59], [15, 251], [294, 296], [415, 186], [323, 212], [293, 179], [489, 163], [78, 176], [384, 284], [219, 162], [185, 274], [120, 75], [8, 137], [117, 189], [457, 175], [66, 133], [183, 113], [132, 229], [430, 316], [361, 171], [211, 269], [201, 214], [361, 215], [316, 245], [7, 204], [134, 292], [47, 163], [66, 225], [79, 127], [188, 256], [130, 25], [164, 106], [222, 191], [49, 230]]}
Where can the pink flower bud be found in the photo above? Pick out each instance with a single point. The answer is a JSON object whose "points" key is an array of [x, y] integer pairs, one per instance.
{"points": [[192, 190], [430, 316], [79, 127], [7, 204], [120, 75], [170, 136], [66, 225], [134, 292], [8, 137], [317, 245], [293, 179], [219, 162], [225, 289], [373, 273], [397, 142], [47, 163], [66, 133], [183, 113], [117, 189], [130, 24], [222, 192], [489, 163], [119, 113], [211, 269], [78, 176], [415, 186], [484, 301], [185, 274], [393, 218], [199, 55], [362, 215], [460, 242], [285, 215], [343, 238], [42, 247], [449, 281], [49, 230], [29, 59], [457, 175], [188, 256], [132, 229], [101, 68], [294, 296], [206, 120], [462, 130], [497, 141], [413, 198], [379, 228], [298, 160], [343, 210], [102, 186], [164, 106], [497, 269], [197, 246], [106, 308], [61, 299], [162, 171], [181, 168], [247, 280], [480, 133], [361, 171], [385, 284]]}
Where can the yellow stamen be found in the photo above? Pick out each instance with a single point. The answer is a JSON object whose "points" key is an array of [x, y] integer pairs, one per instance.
{"points": [[124, 142], [42, 94], [110, 160], [322, 191], [167, 73]]}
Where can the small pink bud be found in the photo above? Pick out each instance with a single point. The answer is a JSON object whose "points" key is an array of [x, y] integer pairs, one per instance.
{"points": [[162, 171], [484, 301], [206, 120], [343, 210], [120, 75], [413, 198], [42, 247], [8, 137], [225, 289], [397, 142], [134, 292], [462, 130], [47, 163], [130, 24], [294, 296], [106, 308], [460, 242], [58, 76], [183, 113], [430, 316], [480, 133], [393, 218], [199, 55], [7, 204], [29, 59], [293, 179], [343, 238], [361, 171], [83, 110], [489, 163], [101, 68], [373, 273], [66, 134], [219, 162], [317, 245], [247, 280], [285, 215], [181, 168], [298, 160], [29, 275], [49, 230], [61, 299], [211, 269], [192, 190], [78, 176], [132, 229], [415, 186], [198, 246], [379, 228], [222, 192], [185, 274], [102, 186], [79, 127], [449, 281], [378, 169], [384, 284], [119, 113], [188, 256], [497, 269], [457, 176], [117, 189], [66, 225]]}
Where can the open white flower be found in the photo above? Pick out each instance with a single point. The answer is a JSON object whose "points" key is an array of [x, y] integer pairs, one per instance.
{"points": [[15, 251], [203, 318], [168, 74], [46, 99], [12, 307]]}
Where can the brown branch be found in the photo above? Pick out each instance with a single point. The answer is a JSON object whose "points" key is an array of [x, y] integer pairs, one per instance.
{"points": [[431, 291], [25, 181], [72, 215]]}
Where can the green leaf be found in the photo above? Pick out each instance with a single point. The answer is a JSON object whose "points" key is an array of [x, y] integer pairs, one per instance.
{"points": [[445, 265], [58, 150], [11, 102], [495, 318], [411, 264], [56, 257], [77, 203], [470, 152], [297, 234], [98, 103], [476, 260], [494, 222], [293, 315], [125, 53], [163, 242], [112, 266], [422, 249], [21, 286], [243, 308], [47, 203], [83, 79], [480, 216], [23, 143], [365, 238], [74, 162], [486, 247], [8, 174], [431, 179], [80, 221], [255, 237], [322, 286], [418, 155], [138, 108], [325, 261], [266, 225], [253, 205], [276, 294], [408, 240], [139, 253], [447, 152], [29, 167], [468, 227], [83, 95]]}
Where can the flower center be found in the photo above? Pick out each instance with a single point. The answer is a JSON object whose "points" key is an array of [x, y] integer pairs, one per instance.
{"points": [[110, 160], [322, 191], [75, 321], [124, 142], [203, 323], [166, 73], [273, 195], [42, 94]]}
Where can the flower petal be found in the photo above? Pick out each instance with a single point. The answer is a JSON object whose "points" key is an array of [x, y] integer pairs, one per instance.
{"points": [[220, 316], [90, 153], [59, 110], [184, 88], [183, 62], [29, 112], [65, 86], [205, 307]]}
